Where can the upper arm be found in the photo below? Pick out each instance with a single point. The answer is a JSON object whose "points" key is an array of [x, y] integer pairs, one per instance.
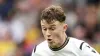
{"points": [[87, 50]]}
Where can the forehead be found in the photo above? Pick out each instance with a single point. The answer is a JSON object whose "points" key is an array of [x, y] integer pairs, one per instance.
{"points": [[53, 23]]}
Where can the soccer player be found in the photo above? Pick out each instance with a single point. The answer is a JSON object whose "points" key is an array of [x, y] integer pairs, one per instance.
{"points": [[56, 41]]}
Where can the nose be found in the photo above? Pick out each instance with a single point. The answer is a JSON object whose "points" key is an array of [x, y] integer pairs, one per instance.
{"points": [[48, 33]]}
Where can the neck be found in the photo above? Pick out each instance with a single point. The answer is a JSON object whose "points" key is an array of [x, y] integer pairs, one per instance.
{"points": [[63, 39]]}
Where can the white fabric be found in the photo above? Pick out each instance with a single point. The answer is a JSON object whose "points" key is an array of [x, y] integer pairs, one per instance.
{"points": [[71, 49]]}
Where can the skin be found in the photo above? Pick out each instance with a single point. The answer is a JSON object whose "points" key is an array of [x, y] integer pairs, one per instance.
{"points": [[54, 32]]}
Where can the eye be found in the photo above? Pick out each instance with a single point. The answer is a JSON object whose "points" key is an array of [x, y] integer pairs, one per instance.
{"points": [[52, 28], [44, 29]]}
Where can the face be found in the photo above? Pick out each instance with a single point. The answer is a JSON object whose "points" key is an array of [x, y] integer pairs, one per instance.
{"points": [[53, 32]]}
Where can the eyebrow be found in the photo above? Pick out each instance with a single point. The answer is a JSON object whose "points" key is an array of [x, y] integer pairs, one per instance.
{"points": [[42, 25], [52, 25]]}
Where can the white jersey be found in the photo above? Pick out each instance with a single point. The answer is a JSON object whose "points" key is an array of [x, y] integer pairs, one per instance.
{"points": [[71, 47]]}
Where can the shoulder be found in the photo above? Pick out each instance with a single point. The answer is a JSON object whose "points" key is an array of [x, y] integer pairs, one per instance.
{"points": [[40, 47], [76, 42], [42, 44]]}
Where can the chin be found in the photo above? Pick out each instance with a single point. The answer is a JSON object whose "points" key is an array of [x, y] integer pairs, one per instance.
{"points": [[52, 45]]}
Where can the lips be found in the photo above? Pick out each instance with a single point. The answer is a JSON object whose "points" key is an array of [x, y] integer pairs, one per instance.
{"points": [[49, 40]]}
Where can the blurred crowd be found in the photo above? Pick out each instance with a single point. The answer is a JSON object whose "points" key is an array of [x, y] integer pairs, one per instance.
{"points": [[20, 28]]}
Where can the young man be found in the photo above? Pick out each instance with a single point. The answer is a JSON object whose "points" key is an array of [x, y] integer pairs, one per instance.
{"points": [[57, 43]]}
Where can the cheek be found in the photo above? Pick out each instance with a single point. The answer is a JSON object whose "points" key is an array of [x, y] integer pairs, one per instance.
{"points": [[58, 31], [44, 34], [56, 35], [56, 38]]}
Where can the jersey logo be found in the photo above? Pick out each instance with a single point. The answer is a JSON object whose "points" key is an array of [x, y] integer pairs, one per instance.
{"points": [[87, 46], [92, 50]]}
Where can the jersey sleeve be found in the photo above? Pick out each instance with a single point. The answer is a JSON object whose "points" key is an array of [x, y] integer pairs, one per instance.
{"points": [[87, 50], [34, 52]]}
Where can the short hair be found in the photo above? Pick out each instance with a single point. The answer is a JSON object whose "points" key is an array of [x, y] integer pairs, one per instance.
{"points": [[53, 13]]}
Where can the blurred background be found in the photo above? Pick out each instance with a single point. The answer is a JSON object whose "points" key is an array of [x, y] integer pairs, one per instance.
{"points": [[20, 28]]}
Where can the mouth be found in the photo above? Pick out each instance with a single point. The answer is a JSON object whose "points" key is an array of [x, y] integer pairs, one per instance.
{"points": [[49, 40]]}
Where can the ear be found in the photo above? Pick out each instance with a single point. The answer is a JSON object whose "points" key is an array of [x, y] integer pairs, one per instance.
{"points": [[65, 27]]}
